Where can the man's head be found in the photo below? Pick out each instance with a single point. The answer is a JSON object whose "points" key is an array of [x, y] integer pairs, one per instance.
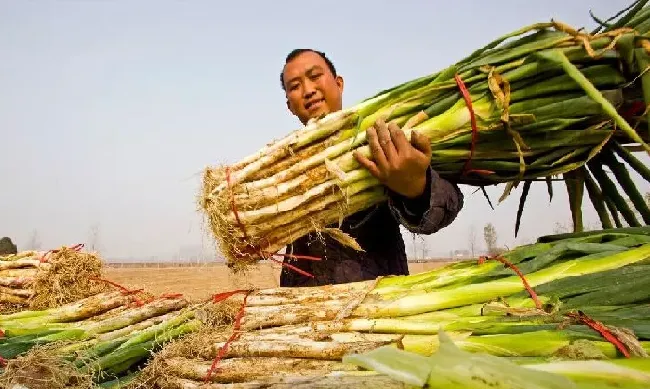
{"points": [[311, 85]]}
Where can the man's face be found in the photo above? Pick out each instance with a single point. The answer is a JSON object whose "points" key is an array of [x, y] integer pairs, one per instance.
{"points": [[311, 89]]}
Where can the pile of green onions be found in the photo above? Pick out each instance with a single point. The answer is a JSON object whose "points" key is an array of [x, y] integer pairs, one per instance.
{"points": [[46, 279], [451, 367], [290, 334], [105, 337], [483, 308], [546, 100]]}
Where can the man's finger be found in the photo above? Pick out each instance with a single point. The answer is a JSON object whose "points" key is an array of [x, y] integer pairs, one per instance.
{"points": [[383, 133], [421, 142], [368, 164], [376, 150], [399, 139]]}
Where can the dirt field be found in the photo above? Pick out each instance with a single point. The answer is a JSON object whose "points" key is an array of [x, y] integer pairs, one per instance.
{"points": [[203, 281]]}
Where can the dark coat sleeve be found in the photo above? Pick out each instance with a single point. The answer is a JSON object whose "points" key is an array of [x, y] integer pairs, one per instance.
{"points": [[435, 209]]}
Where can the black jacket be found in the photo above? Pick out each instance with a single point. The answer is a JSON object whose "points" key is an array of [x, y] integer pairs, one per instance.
{"points": [[377, 230]]}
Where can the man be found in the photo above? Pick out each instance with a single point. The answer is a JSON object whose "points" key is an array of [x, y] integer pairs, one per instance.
{"points": [[418, 198]]}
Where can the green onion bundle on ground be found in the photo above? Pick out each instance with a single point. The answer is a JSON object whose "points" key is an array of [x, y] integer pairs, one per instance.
{"points": [[579, 297], [103, 339], [451, 367], [579, 306], [540, 102], [39, 280]]}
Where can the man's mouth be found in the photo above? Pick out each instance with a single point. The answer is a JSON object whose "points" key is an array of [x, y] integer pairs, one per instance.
{"points": [[314, 104]]}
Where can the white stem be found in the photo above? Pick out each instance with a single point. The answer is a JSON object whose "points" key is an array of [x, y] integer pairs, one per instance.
{"points": [[294, 202], [15, 282], [304, 181], [279, 238], [18, 292], [24, 263], [259, 160], [295, 349]]}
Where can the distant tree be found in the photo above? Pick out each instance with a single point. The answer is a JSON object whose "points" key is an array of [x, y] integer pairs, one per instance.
{"points": [[415, 246], [34, 242], [472, 241], [490, 236], [561, 228], [7, 247], [565, 228], [93, 238], [425, 248]]}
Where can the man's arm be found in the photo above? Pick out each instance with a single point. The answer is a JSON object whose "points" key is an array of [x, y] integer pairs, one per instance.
{"points": [[436, 208]]}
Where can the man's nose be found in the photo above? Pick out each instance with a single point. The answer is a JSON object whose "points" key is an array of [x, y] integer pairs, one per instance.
{"points": [[309, 90]]}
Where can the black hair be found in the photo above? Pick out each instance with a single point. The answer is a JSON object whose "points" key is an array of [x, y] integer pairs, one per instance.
{"points": [[296, 52]]}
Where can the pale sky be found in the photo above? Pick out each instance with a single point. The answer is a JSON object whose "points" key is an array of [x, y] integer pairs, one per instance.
{"points": [[109, 110]]}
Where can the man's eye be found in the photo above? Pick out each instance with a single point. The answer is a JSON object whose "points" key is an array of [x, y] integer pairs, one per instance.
{"points": [[316, 76]]}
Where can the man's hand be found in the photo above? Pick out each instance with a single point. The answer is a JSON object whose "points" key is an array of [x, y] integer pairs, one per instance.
{"points": [[398, 164]]}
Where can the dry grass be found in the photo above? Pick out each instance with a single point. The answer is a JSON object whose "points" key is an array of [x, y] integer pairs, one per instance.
{"points": [[69, 278], [200, 282], [41, 369]]}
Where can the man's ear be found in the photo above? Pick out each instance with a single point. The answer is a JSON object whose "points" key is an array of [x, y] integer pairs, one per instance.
{"points": [[340, 83]]}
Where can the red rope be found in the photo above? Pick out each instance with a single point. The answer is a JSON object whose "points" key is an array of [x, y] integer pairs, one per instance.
{"points": [[3, 362], [472, 116], [236, 332], [125, 291], [266, 254], [530, 290], [76, 247], [222, 296], [602, 329], [290, 266], [269, 256], [294, 268], [634, 109]]}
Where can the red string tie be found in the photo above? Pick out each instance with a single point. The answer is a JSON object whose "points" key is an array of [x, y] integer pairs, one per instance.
{"points": [[76, 247], [602, 329], [265, 254], [125, 291], [468, 101], [530, 290], [269, 256], [236, 328]]}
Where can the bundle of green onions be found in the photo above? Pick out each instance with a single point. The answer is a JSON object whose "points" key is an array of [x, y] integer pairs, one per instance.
{"points": [[579, 297], [39, 280], [603, 192], [539, 102], [587, 301], [449, 367], [102, 339]]}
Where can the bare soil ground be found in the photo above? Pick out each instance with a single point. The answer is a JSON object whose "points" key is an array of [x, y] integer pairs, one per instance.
{"points": [[199, 282]]}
